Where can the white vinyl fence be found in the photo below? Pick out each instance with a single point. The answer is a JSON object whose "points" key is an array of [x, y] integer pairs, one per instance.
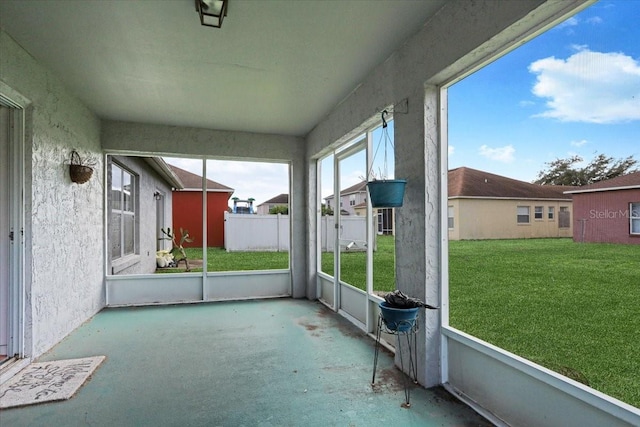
{"points": [[353, 233], [271, 233], [256, 232]]}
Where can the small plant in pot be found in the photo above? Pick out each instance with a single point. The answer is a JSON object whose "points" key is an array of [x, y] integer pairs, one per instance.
{"points": [[399, 311], [177, 249], [80, 170]]}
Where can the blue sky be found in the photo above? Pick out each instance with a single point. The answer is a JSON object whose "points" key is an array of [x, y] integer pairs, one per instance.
{"points": [[573, 90]]}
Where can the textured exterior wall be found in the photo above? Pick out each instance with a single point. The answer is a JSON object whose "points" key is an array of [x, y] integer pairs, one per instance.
{"points": [[63, 221], [603, 216], [497, 219]]}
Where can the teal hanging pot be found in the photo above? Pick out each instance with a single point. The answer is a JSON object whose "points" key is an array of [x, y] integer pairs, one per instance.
{"points": [[386, 193]]}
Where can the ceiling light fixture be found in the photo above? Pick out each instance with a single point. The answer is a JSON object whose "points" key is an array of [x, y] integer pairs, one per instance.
{"points": [[212, 12]]}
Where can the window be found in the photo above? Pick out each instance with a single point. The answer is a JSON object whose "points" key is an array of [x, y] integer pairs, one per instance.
{"points": [[523, 214], [538, 212], [564, 217], [352, 200], [551, 213], [634, 215], [122, 234], [450, 221], [385, 221]]}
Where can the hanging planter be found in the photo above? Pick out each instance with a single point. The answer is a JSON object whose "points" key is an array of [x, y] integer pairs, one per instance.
{"points": [[386, 193], [80, 171], [383, 192]]}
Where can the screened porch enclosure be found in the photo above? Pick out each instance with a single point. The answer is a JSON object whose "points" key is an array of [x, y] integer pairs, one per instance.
{"points": [[272, 85]]}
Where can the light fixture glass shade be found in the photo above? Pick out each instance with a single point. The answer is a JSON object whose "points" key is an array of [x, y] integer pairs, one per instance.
{"points": [[212, 12]]}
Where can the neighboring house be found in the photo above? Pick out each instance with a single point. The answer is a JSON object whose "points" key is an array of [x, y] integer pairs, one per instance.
{"points": [[384, 217], [139, 206], [349, 199], [482, 205], [608, 211], [279, 200], [187, 208]]}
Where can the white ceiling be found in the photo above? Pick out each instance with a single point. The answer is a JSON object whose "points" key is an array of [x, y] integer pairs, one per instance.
{"points": [[274, 66]]}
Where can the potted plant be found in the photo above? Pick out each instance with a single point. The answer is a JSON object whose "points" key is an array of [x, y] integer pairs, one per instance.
{"points": [[386, 193], [178, 248], [383, 192], [399, 312], [80, 170]]}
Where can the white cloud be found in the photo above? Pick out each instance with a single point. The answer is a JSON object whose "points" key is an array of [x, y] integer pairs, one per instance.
{"points": [[451, 150], [578, 143], [500, 154], [594, 20], [571, 22], [590, 87], [579, 47]]}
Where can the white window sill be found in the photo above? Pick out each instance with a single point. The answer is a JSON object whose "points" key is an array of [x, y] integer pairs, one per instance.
{"points": [[117, 265]]}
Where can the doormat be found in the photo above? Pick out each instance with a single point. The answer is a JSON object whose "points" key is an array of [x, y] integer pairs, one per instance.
{"points": [[47, 381]]}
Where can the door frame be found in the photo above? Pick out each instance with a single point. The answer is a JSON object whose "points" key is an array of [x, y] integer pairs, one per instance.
{"points": [[16, 346]]}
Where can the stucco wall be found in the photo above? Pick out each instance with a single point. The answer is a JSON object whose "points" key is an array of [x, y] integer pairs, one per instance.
{"points": [[63, 220]]}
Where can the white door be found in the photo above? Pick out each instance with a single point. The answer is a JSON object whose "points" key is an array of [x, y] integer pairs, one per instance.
{"points": [[11, 229], [5, 242]]}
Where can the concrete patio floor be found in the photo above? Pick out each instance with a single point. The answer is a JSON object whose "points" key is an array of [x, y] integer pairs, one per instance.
{"points": [[279, 362]]}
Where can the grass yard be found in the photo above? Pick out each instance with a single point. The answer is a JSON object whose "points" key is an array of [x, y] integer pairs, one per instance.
{"points": [[218, 259], [573, 308], [354, 264]]}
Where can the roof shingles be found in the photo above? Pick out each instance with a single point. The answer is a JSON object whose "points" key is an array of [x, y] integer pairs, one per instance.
{"points": [[467, 182], [191, 181], [631, 180]]}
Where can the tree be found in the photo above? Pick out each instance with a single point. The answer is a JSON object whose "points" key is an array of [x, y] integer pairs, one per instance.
{"points": [[326, 210], [279, 209], [565, 171]]}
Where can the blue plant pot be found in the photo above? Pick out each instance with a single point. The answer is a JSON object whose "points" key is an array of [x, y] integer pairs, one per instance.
{"points": [[398, 319], [386, 193]]}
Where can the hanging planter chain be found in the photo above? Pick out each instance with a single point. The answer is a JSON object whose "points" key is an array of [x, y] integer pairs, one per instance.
{"points": [[387, 140], [384, 192]]}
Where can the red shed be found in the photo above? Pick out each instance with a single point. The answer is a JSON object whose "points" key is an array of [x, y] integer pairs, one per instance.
{"points": [[608, 211], [187, 208]]}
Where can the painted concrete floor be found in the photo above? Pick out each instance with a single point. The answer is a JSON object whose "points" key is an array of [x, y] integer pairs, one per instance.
{"points": [[280, 362]]}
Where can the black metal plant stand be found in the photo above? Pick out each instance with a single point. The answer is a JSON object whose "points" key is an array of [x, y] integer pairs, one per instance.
{"points": [[407, 329]]}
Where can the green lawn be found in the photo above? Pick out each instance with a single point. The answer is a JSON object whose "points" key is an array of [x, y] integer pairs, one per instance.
{"points": [[573, 308], [218, 259], [354, 264]]}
